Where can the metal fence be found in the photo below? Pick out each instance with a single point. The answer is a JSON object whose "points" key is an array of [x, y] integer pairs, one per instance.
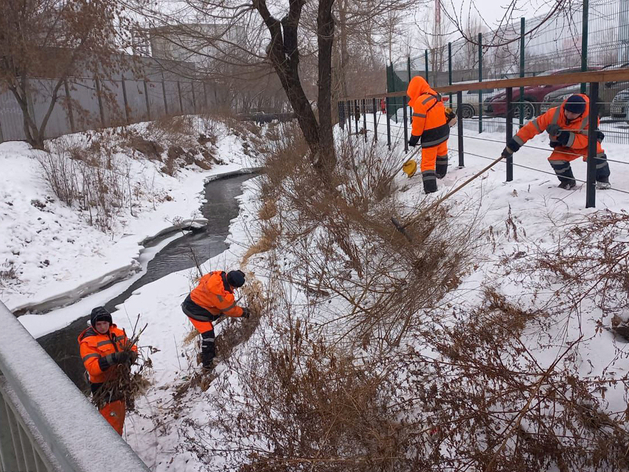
{"points": [[590, 35], [364, 115], [89, 103], [46, 424]]}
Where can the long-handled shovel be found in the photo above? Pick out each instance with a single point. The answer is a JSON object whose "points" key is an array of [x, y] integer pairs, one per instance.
{"points": [[401, 227]]}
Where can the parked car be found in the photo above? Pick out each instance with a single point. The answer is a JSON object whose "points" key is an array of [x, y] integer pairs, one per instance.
{"points": [[532, 97], [470, 105], [606, 93], [619, 109]]}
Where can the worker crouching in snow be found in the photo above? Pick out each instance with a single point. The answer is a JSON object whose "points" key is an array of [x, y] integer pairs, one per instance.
{"points": [[431, 126], [212, 298], [105, 349], [567, 126]]}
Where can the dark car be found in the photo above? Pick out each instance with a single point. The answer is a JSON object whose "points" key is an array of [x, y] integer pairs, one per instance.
{"points": [[606, 93], [532, 97]]}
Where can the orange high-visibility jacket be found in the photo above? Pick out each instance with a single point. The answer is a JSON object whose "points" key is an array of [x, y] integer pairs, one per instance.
{"points": [[429, 114], [94, 345], [215, 295], [578, 139]]}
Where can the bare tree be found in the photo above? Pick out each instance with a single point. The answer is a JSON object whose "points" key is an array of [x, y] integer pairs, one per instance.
{"points": [[55, 39]]}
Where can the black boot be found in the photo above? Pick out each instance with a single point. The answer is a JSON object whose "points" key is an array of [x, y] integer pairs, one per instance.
{"points": [[208, 349], [564, 174], [430, 186], [442, 166]]}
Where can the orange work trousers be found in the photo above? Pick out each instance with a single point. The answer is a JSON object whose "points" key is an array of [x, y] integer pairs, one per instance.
{"points": [[114, 413], [430, 155], [201, 326], [562, 153]]}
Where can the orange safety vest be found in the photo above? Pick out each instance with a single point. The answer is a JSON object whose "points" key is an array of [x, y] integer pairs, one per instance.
{"points": [[578, 140], [429, 113], [94, 345], [215, 295]]}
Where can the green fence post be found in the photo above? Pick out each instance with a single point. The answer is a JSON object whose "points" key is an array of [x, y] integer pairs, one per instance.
{"points": [[480, 79], [522, 26], [408, 67], [426, 63], [584, 40], [450, 70]]}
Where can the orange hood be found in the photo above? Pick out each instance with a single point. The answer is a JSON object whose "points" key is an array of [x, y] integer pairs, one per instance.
{"points": [[416, 88]]}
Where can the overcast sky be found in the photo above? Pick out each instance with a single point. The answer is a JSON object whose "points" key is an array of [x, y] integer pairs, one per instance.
{"points": [[488, 12], [492, 11]]}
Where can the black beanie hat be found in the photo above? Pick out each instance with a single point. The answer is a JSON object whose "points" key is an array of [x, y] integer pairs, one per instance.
{"points": [[100, 314], [236, 278], [575, 104]]}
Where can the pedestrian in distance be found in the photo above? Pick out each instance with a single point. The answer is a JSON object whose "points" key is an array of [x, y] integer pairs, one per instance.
{"points": [[212, 298], [567, 126], [105, 349], [430, 125]]}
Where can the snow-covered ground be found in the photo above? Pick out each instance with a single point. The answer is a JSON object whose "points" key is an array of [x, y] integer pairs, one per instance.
{"points": [[524, 215]]}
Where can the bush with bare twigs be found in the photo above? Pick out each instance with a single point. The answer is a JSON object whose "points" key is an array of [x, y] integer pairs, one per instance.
{"points": [[338, 241], [93, 177], [589, 263], [492, 406]]}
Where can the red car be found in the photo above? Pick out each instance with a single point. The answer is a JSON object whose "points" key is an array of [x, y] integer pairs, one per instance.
{"points": [[533, 97]]}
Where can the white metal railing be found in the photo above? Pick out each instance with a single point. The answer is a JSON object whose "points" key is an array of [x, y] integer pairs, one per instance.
{"points": [[46, 423]]}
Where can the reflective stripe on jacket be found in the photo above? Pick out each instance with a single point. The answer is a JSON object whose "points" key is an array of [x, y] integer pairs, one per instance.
{"points": [[94, 346], [429, 113], [577, 139], [215, 295]]}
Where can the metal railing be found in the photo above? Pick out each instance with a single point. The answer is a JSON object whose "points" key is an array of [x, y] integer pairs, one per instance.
{"points": [[46, 424]]}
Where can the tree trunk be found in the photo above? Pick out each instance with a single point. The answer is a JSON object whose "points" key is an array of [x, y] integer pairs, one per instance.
{"points": [[325, 36], [284, 55]]}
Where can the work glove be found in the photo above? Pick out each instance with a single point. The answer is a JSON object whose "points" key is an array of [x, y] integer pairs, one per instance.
{"points": [[506, 152], [413, 141], [133, 356], [553, 129], [560, 140], [246, 313], [600, 136], [121, 357], [112, 359]]}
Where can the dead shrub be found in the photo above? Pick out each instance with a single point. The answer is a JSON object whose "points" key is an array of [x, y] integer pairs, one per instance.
{"points": [[338, 239], [265, 242], [492, 406], [8, 274], [304, 405], [92, 178], [589, 263], [172, 126]]}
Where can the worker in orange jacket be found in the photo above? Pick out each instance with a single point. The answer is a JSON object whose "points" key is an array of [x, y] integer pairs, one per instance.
{"points": [[431, 126], [104, 348], [211, 299], [567, 126]]}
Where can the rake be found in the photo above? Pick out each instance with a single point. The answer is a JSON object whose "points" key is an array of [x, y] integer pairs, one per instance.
{"points": [[402, 227]]}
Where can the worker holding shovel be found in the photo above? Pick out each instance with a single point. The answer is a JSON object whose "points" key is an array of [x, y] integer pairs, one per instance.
{"points": [[430, 125]]}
